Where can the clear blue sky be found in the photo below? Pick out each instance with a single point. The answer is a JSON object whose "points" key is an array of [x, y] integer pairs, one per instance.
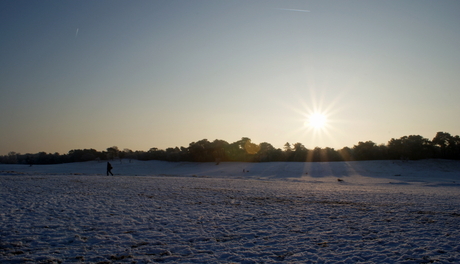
{"points": [[143, 74]]}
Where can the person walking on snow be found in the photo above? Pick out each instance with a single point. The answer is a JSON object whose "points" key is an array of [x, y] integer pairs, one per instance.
{"points": [[109, 169]]}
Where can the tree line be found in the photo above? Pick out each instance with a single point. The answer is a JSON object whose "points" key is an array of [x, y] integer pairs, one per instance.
{"points": [[413, 147]]}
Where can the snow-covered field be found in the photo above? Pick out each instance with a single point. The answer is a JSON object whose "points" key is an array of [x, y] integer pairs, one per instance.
{"points": [[379, 212]]}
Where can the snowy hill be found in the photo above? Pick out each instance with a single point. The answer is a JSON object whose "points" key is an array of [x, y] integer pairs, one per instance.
{"points": [[380, 212], [373, 171]]}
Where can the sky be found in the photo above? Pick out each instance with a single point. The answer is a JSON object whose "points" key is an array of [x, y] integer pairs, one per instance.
{"points": [[143, 74]]}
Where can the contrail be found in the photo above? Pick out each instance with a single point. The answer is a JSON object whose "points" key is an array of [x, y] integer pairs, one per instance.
{"points": [[295, 10], [76, 33]]}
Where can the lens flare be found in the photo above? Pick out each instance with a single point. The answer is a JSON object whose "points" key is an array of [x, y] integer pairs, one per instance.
{"points": [[317, 121]]}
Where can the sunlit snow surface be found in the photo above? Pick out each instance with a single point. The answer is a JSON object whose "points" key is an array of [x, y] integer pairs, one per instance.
{"points": [[382, 212]]}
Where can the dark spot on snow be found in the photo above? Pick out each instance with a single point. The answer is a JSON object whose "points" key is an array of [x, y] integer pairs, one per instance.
{"points": [[139, 244], [282, 256], [120, 257], [426, 212], [336, 202], [323, 244]]}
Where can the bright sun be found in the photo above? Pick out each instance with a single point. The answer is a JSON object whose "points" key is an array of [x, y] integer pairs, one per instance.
{"points": [[317, 121]]}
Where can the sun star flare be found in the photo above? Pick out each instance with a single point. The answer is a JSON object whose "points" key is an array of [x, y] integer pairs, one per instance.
{"points": [[317, 121]]}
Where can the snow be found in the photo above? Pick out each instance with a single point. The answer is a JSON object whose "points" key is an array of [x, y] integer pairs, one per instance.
{"points": [[153, 211]]}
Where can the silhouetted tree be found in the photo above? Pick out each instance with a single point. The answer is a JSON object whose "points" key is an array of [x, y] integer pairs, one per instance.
{"points": [[443, 145], [443, 140], [410, 147], [218, 150], [129, 154], [266, 152], [345, 153], [333, 155], [315, 155], [367, 151], [201, 151], [12, 157], [80, 155], [299, 152], [112, 152]]}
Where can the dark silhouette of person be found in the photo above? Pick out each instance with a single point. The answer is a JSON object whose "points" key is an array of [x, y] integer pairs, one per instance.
{"points": [[109, 169]]}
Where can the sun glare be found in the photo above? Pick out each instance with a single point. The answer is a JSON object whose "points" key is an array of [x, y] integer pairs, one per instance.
{"points": [[317, 121]]}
